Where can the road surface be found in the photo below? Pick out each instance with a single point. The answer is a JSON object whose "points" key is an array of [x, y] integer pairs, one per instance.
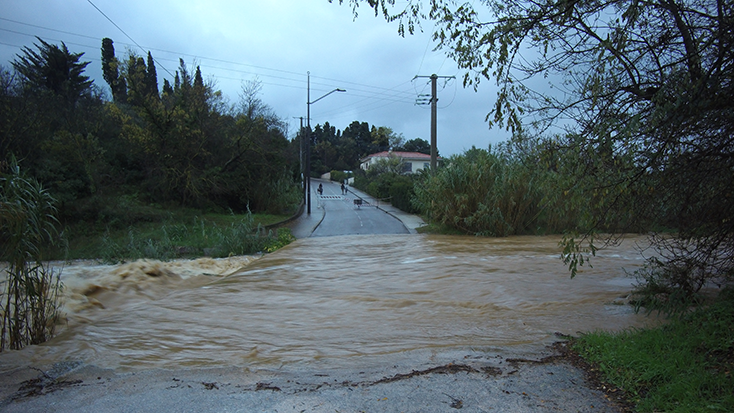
{"points": [[343, 217]]}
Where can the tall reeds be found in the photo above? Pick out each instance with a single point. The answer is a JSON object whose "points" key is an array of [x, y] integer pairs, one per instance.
{"points": [[29, 297], [486, 193]]}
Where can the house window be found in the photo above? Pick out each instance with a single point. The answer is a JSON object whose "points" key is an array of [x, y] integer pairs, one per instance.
{"points": [[407, 167]]}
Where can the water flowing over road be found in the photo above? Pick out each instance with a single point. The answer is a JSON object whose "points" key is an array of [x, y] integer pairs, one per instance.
{"points": [[337, 301], [389, 322]]}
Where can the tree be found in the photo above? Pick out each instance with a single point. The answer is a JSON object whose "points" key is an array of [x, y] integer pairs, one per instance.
{"points": [[250, 104], [135, 78], [53, 121], [417, 145], [255, 118], [111, 71], [360, 133], [644, 89], [258, 158], [53, 69], [198, 80], [167, 88], [151, 78], [381, 137], [12, 126]]}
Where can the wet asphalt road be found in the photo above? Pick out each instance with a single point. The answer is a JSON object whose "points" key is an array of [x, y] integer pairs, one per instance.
{"points": [[342, 216]]}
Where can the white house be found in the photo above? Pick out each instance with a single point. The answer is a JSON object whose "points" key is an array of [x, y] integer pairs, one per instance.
{"points": [[412, 161]]}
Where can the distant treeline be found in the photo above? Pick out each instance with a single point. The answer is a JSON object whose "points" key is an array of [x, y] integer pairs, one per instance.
{"points": [[180, 144]]}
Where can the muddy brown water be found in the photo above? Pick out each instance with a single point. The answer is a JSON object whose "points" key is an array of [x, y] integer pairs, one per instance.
{"points": [[336, 301]]}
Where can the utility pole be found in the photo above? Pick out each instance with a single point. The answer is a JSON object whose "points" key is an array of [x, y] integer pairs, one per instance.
{"points": [[434, 138], [302, 144], [434, 101], [308, 144]]}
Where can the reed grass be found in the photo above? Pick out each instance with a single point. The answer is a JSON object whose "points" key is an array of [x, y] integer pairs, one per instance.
{"points": [[485, 193], [29, 291]]}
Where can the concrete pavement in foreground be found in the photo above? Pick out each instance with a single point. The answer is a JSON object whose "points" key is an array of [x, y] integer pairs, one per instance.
{"points": [[473, 383]]}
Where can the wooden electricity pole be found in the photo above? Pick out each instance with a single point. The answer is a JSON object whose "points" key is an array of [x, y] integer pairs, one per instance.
{"points": [[434, 101]]}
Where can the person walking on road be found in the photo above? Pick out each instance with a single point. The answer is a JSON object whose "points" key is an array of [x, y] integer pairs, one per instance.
{"points": [[321, 189]]}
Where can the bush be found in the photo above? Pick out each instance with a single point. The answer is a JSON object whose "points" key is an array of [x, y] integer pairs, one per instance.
{"points": [[401, 195], [340, 176], [399, 189]]}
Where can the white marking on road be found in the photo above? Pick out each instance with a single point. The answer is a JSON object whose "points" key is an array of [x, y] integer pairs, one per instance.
{"points": [[361, 224]]}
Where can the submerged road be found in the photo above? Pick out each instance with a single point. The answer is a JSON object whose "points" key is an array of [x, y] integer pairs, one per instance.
{"points": [[433, 379], [341, 216]]}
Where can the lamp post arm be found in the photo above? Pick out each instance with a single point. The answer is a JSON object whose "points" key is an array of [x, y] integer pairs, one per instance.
{"points": [[335, 90]]}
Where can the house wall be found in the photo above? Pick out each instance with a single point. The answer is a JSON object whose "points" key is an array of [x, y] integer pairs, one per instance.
{"points": [[419, 165], [416, 165]]}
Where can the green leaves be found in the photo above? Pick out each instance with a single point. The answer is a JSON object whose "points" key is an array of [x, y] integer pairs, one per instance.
{"points": [[27, 217], [486, 192], [54, 69], [576, 250], [28, 303]]}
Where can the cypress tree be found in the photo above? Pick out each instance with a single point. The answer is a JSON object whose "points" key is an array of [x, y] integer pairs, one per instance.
{"points": [[111, 72], [198, 80], [151, 78]]}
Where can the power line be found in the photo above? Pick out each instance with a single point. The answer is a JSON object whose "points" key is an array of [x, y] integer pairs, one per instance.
{"points": [[47, 28], [394, 95], [375, 95], [299, 76], [128, 36], [360, 84]]}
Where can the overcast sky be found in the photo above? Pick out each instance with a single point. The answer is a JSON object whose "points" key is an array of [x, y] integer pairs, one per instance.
{"points": [[276, 42]]}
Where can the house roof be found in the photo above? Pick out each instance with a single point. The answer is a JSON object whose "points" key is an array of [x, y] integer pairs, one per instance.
{"points": [[405, 155]]}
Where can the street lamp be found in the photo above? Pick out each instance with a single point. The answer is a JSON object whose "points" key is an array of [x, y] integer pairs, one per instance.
{"points": [[307, 172]]}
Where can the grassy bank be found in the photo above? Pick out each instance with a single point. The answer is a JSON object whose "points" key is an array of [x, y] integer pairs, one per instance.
{"points": [[167, 233], [686, 365]]}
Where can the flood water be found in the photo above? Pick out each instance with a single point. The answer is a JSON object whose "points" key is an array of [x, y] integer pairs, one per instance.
{"points": [[335, 301]]}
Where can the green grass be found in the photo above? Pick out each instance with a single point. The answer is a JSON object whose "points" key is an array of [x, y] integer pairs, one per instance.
{"points": [[134, 231], [437, 228], [686, 365]]}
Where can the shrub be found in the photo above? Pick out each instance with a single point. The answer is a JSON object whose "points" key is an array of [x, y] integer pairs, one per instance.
{"points": [[401, 195], [339, 176]]}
